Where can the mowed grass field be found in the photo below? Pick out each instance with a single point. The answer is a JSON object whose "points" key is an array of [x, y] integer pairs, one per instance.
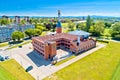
{"points": [[11, 70], [116, 75], [101, 65]]}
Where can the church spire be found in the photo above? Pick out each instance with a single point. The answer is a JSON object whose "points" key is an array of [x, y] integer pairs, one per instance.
{"points": [[58, 15], [59, 27]]}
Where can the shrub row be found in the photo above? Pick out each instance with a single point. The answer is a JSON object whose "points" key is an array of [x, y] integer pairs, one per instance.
{"points": [[104, 41]]}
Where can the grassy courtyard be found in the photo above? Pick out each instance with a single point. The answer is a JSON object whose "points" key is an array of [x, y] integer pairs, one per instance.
{"points": [[11, 70], [101, 65]]}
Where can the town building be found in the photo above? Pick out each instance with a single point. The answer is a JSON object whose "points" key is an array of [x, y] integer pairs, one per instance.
{"points": [[7, 30], [17, 19], [5, 33], [4, 17], [76, 42]]}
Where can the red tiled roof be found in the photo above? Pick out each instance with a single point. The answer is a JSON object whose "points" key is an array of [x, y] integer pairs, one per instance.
{"points": [[83, 43], [56, 36]]}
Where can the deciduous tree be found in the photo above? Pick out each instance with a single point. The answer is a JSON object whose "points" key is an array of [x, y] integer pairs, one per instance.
{"points": [[17, 35]]}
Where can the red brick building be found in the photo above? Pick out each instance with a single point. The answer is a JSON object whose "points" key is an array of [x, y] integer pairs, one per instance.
{"points": [[47, 45], [76, 43]]}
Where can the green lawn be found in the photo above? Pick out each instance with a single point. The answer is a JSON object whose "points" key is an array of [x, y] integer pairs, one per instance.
{"points": [[11, 70], [4, 44], [116, 75], [101, 65], [5, 75]]}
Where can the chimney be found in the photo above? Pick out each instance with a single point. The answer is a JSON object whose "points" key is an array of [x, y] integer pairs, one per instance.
{"points": [[78, 41]]}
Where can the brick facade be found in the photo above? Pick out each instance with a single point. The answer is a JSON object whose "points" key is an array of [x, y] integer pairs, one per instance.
{"points": [[47, 45], [59, 30]]}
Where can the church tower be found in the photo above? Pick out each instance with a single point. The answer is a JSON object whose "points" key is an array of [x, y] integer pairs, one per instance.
{"points": [[58, 27]]}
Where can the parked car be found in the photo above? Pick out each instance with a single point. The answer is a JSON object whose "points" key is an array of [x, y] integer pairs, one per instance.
{"points": [[6, 57], [29, 68], [20, 46], [2, 59], [54, 62]]}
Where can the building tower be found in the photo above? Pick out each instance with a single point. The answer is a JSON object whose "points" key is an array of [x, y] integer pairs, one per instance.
{"points": [[58, 27], [27, 19], [5, 17], [17, 19]]}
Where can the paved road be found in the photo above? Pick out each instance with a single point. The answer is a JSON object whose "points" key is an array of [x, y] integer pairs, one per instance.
{"points": [[41, 68]]}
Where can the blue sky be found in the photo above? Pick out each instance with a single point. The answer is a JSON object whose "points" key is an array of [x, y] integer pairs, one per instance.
{"points": [[67, 7]]}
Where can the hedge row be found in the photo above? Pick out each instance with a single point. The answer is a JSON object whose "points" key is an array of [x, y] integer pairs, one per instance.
{"points": [[104, 41]]}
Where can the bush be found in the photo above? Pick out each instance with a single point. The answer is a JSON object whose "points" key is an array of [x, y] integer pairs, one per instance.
{"points": [[95, 34], [117, 37], [114, 34], [104, 41]]}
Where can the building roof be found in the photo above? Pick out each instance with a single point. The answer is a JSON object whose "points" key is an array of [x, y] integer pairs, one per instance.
{"points": [[59, 24], [80, 21], [79, 33], [55, 37]]}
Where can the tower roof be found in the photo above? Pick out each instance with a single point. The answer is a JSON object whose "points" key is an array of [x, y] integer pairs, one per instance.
{"points": [[59, 24]]}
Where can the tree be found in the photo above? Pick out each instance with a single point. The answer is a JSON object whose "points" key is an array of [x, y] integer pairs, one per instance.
{"points": [[116, 31], [29, 32], [54, 27], [116, 27], [33, 32], [37, 32], [88, 23], [80, 26], [4, 21], [22, 22], [97, 29], [48, 26], [71, 26], [31, 20], [17, 35], [108, 24]]}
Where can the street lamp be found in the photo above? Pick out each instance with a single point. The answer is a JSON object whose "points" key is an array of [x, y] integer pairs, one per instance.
{"points": [[37, 77]]}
